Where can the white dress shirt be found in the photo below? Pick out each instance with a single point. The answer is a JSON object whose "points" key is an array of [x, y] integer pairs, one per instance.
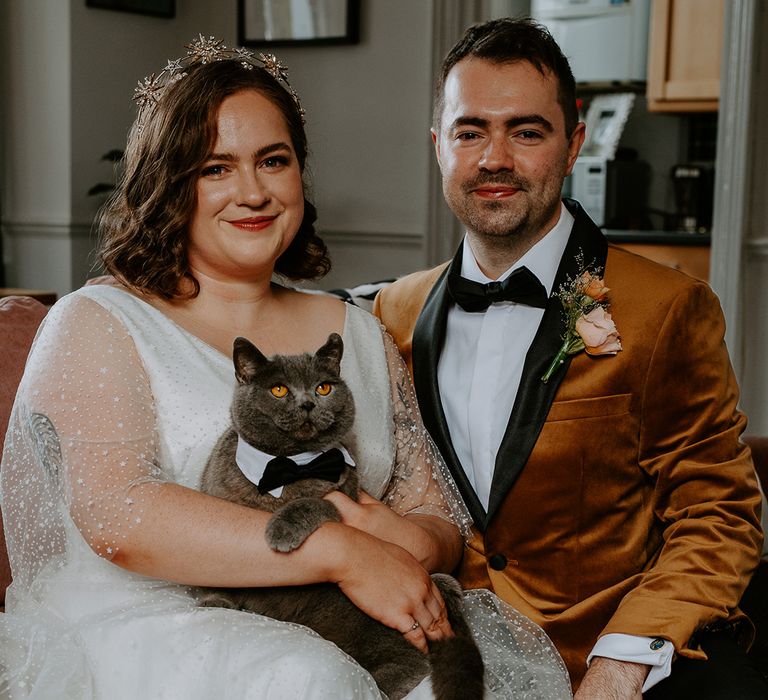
{"points": [[479, 374], [482, 359]]}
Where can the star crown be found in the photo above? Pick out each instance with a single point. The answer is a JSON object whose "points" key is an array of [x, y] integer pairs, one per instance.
{"points": [[206, 50]]}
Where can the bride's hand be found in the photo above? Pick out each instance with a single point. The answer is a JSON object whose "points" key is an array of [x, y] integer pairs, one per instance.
{"points": [[375, 518], [433, 541], [387, 583]]}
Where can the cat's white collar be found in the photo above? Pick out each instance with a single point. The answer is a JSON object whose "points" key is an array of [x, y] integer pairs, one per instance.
{"points": [[253, 462]]}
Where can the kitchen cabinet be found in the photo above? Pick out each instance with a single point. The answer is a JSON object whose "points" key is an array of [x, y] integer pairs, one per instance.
{"points": [[685, 46], [692, 260]]}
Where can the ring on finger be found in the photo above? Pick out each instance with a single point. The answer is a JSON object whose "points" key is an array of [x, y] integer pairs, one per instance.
{"points": [[414, 626]]}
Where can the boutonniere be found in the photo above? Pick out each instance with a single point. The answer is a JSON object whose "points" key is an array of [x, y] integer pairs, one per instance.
{"points": [[589, 326]]}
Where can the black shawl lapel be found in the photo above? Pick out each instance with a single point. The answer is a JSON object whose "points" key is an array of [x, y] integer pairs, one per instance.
{"points": [[534, 397], [428, 338]]}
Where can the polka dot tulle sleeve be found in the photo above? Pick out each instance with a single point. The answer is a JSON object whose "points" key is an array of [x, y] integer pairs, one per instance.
{"points": [[421, 482], [82, 447]]}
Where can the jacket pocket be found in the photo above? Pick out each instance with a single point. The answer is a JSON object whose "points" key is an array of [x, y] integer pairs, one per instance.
{"points": [[598, 407]]}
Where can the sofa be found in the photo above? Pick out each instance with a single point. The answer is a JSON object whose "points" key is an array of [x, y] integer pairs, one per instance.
{"points": [[21, 316], [19, 319]]}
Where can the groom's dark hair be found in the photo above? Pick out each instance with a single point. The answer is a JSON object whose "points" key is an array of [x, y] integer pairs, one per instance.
{"points": [[509, 40]]}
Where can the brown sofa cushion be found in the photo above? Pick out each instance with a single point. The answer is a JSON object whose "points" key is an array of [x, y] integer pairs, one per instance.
{"points": [[19, 320]]}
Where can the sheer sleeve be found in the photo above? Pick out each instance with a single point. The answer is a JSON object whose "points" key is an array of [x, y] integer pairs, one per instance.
{"points": [[82, 447], [421, 482]]}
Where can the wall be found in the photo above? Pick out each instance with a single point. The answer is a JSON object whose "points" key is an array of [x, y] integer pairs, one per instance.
{"points": [[35, 119], [68, 97], [68, 76], [368, 112], [110, 52], [754, 302]]}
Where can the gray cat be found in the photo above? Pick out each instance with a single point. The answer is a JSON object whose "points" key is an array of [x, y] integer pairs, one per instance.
{"points": [[286, 406]]}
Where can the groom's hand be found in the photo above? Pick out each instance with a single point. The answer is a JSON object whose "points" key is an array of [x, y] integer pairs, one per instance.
{"points": [[609, 679]]}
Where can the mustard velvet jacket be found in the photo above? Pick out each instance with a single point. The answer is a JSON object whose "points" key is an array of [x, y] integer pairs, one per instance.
{"points": [[622, 498]]}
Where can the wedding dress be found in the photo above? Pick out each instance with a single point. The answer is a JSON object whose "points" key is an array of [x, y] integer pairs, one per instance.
{"points": [[117, 399]]}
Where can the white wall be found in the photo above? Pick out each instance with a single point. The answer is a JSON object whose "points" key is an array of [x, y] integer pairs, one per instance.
{"points": [[36, 119], [35, 69]]}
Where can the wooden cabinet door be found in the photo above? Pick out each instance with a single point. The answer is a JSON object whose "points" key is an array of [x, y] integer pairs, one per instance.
{"points": [[684, 55], [693, 260]]}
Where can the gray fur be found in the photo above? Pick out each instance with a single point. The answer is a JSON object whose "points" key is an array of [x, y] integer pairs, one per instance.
{"points": [[301, 422]]}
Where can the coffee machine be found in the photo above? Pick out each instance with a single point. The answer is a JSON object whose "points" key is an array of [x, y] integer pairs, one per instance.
{"points": [[693, 185]]}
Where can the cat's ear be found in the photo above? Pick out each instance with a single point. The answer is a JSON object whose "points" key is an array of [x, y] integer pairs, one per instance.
{"points": [[247, 358], [333, 349]]}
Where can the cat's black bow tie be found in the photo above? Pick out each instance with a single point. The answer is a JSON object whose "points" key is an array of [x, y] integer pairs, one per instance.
{"points": [[522, 287], [281, 471]]}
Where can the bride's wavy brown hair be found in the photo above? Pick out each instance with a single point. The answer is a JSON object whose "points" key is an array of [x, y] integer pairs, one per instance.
{"points": [[143, 228]]}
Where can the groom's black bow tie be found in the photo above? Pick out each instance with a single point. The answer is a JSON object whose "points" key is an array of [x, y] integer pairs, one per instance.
{"points": [[522, 287], [281, 471]]}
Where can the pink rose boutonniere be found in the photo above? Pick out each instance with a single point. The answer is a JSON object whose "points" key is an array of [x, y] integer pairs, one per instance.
{"points": [[589, 326]]}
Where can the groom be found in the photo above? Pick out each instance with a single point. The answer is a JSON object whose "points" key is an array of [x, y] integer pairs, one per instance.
{"points": [[614, 503]]}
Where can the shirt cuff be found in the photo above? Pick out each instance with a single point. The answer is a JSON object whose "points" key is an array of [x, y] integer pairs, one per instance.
{"points": [[652, 651]]}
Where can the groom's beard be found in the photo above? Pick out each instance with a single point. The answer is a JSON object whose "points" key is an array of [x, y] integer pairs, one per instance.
{"points": [[521, 216]]}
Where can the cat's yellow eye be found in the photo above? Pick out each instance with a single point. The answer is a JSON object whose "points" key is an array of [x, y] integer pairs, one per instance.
{"points": [[323, 389], [279, 390]]}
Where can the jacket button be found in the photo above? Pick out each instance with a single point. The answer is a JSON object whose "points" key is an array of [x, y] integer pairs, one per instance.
{"points": [[498, 562]]}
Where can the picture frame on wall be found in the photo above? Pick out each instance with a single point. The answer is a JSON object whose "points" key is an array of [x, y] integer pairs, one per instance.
{"points": [[297, 22], [156, 8]]}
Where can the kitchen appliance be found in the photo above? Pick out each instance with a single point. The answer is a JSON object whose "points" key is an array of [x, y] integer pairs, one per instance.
{"points": [[588, 183], [610, 183], [604, 40], [614, 193], [693, 185]]}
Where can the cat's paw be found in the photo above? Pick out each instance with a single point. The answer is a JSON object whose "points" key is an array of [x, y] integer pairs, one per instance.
{"points": [[290, 526], [284, 536]]}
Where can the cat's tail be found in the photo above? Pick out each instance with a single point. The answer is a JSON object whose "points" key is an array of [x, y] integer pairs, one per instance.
{"points": [[457, 666], [457, 670]]}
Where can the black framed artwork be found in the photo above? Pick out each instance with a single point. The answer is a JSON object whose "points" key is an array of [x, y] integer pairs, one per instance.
{"points": [[156, 8], [282, 23]]}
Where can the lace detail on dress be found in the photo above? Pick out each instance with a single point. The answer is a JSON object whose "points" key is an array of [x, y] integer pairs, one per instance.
{"points": [[421, 483]]}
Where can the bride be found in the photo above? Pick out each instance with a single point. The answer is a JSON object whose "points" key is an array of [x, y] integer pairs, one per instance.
{"points": [[127, 389]]}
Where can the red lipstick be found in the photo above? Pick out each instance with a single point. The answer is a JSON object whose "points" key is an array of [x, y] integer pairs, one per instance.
{"points": [[253, 223]]}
